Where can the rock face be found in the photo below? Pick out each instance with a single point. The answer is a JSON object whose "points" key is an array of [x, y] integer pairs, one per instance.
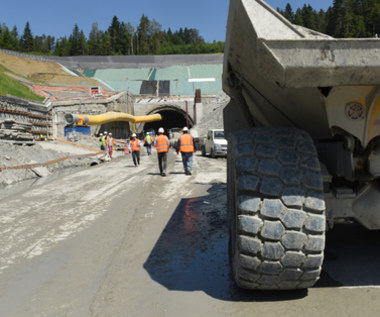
{"points": [[213, 115]]}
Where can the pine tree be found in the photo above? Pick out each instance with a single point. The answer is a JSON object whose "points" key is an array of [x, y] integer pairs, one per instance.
{"points": [[126, 40], [75, 41], [63, 47], [336, 25], [288, 14], [143, 36], [5, 38], [105, 46], [83, 43], [94, 41], [27, 40], [115, 33], [15, 39], [298, 19], [309, 17]]}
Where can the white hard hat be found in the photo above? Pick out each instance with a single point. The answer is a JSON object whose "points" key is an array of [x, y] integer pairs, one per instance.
{"points": [[161, 130], [185, 129], [133, 135], [101, 133], [105, 132], [110, 133]]}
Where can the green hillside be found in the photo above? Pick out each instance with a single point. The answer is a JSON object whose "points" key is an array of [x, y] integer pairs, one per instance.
{"points": [[13, 87]]}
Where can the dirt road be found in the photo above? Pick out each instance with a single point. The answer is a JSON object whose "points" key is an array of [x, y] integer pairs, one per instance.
{"points": [[116, 240]]}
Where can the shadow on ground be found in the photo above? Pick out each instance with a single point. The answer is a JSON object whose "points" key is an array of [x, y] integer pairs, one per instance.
{"points": [[351, 257], [192, 254]]}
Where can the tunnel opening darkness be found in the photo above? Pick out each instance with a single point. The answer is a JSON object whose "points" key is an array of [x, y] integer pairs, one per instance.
{"points": [[170, 119]]}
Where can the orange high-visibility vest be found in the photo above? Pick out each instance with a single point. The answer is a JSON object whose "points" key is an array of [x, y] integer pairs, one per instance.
{"points": [[187, 144], [110, 141], [162, 144], [135, 145]]}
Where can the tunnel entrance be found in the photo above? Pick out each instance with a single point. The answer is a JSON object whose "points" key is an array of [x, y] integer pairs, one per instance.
{"points": [[171, 118]]}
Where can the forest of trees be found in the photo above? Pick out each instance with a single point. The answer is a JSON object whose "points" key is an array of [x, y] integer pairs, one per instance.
{"points": [[120, 38], [345, 18]]}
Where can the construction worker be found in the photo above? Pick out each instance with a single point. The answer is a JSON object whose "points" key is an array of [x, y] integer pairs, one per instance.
{"points": [[105, 138], [161, 143], [102, 142], [186, 146], [111, 144], [148, 143], [134, 147]]}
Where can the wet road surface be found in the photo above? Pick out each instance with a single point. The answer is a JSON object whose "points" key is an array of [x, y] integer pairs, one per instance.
{"points": [[116, 240]]}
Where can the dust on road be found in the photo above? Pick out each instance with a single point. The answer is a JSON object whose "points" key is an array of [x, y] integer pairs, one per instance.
{"points": [[116, 240]]}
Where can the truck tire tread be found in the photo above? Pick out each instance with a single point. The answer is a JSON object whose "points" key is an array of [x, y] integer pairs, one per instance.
{"points": [[276, 209]]}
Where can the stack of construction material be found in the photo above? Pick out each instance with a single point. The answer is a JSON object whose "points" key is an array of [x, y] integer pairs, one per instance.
{"points": [[23, 121], [15, 131]]}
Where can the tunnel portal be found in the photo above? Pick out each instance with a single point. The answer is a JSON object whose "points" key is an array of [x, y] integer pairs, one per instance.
{"points": [[171, 118]]}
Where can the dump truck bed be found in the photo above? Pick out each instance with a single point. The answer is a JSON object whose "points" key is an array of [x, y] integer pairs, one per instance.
{"points": [[285, 71]]}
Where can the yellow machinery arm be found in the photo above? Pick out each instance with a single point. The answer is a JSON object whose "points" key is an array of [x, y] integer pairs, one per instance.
{"points": [[108, 117]]}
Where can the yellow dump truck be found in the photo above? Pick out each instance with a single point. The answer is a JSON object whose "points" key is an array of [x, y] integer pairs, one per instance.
{"points": [[303, 126]]}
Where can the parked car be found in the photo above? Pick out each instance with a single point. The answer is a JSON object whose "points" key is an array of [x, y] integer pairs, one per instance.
{"points": [[214, 144]]}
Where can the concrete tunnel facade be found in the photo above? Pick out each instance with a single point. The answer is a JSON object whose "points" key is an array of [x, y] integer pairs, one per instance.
{"points": [[174, 115], [176, 112]]}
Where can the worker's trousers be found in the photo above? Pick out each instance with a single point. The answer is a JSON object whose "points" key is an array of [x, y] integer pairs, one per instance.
{"points": [[162, 159], [136, 157], [187, 161], [149, 149]]}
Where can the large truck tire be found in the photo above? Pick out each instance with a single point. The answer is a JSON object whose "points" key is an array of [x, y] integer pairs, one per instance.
{"points": [[276, 209]]}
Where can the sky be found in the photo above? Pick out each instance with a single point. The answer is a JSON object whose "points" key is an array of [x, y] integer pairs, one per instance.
{"points": [[58, 18]]}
